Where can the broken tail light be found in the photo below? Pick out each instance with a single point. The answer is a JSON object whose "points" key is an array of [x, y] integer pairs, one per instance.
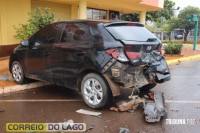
{"points": [[133, 53], [117, 53]]}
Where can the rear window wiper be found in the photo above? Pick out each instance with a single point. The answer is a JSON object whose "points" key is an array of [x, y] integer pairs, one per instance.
{"points": [[151, 39]]}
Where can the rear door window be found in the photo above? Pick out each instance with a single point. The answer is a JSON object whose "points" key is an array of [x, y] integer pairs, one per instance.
{"points": [[77, 33], [133, 33]]}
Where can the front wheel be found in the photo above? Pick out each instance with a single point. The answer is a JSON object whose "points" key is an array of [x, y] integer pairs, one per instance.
{"points": [[95, 91], [18, 73]]}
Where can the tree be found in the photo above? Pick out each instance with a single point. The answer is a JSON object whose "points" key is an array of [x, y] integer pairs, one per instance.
{"points": [[131, 17], [183, 23], [166, 13], [38, 19], [156, 16], [169, 26]]}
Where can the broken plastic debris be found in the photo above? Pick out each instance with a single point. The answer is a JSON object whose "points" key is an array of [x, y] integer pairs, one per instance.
{"points": [[124, 130], [90, 128], [124, 106], [131, 105], [114, 109], [154, 110], [87, 112], [151, 95], [69, 121]]}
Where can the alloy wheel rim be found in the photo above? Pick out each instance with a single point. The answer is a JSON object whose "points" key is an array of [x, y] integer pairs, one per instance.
{"points": [[17, 72], [93, 91]]}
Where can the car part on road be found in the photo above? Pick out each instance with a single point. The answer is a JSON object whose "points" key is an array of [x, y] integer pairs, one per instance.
{"points": [[153, 110], [87, 112], [131, 105], [90, 128], [124, 130], [154, 107]]}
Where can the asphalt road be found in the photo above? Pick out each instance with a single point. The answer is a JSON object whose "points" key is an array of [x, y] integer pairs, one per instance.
{"points": [[52, 104]]}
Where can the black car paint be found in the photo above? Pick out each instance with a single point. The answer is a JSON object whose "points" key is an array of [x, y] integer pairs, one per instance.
{"points": [[67, 65]]}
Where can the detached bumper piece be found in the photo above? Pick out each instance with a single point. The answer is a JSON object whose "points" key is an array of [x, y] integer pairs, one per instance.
{"points": [[154, 106], [154, 110]]}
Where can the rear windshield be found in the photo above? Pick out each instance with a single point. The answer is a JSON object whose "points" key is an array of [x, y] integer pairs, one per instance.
{"points": [[134, 33]]}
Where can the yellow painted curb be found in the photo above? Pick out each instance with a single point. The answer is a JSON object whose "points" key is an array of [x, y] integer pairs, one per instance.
{"points": [[174, 61], [190, 44]]}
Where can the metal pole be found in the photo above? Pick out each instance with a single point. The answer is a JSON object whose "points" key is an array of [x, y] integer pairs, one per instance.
{"points": [[195, 35]]}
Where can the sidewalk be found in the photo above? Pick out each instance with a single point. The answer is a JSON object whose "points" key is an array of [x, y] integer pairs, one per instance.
{"points": [[4, 72], [187, 54]]}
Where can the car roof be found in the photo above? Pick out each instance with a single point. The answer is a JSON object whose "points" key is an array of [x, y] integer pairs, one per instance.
{"points": [[105, 22]]}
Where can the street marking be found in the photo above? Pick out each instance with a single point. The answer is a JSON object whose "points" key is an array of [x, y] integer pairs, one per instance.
{"points": [[42, 100], [171, 101]]}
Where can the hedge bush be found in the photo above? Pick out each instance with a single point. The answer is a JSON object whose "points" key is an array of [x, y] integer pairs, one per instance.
{"points": [[173, 48], [173, 41]]}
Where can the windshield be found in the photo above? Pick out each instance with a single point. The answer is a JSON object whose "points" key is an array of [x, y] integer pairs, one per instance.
{"points": [[134, 33]]}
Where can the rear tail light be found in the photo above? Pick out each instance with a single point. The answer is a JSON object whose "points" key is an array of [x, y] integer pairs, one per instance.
{"points": [[117, 53], [132, 55]]}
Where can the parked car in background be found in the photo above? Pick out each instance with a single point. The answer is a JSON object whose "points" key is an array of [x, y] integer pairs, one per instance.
{"points": [[97, 58], [178, 34]]}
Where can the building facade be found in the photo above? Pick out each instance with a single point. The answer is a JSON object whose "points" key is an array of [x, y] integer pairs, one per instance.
{"points": [[15, 12]]}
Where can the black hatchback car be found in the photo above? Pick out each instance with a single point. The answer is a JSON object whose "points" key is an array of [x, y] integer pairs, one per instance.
{"points": [[96, 58]]}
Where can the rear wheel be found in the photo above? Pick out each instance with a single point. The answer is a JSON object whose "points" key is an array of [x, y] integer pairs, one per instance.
{"points": [[18, 73], [95, 91]]}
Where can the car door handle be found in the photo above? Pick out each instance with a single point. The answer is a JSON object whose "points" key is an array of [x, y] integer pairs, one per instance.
{"points": [[80, 53]]}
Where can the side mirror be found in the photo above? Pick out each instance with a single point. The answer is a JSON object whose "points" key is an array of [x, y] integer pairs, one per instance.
{"points": [[25, 42]]}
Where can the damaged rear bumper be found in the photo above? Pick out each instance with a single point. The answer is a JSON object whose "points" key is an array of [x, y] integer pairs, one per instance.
{"points": [[150, 70]]}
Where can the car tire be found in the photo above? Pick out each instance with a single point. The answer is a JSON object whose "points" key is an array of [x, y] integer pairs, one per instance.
{"points": [[18, 73], [95, 91]]}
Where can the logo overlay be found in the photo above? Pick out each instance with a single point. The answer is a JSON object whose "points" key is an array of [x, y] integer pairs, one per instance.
{"points": [[45, 127], [180, 121]]}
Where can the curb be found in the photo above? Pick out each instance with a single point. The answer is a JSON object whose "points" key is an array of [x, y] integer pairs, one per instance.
{"points": [[15, 88], [174, 61]]}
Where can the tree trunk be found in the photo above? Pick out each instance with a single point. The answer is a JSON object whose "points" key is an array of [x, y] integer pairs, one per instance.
{"points": [[169, 36], [185, 36]]}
